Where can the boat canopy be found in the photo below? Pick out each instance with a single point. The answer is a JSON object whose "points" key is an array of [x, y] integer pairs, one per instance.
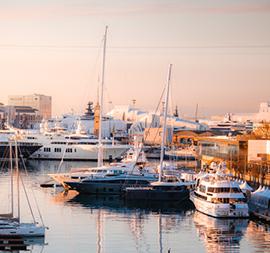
{"points": [[245, 187]]}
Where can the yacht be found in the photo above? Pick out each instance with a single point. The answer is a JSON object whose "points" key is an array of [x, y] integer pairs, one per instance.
{"points": [[111, 184], [217, 195], [10, 223], [162, 190], [113, 169], [133, 162], [74, 147], [25, 147]]}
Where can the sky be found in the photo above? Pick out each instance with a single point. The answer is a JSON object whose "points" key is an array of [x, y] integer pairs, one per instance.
{"points": [[220, 51]]}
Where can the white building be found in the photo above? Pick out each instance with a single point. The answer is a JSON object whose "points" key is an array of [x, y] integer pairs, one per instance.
{"points": [[262, 115], [37, 101], [142, 119]]}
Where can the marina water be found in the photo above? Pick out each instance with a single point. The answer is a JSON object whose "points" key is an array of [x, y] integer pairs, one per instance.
{"points": [[83, 223]]}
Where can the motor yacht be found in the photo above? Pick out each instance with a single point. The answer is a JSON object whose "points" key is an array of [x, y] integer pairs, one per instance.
{"points": [[217, 195]]}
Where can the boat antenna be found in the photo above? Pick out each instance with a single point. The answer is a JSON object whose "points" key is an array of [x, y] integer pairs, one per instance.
{"points": [[100, 151], [165, 122]]}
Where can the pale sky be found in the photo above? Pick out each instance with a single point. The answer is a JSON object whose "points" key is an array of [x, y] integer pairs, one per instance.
{"points": [[220, 51]]}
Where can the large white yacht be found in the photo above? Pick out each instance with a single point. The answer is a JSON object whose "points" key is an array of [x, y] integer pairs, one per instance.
{"points": [[77, 146], [217, 195]]}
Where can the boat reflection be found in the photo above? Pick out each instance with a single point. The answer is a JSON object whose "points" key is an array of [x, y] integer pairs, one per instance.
{"points": [[116, 203], [220, 235], [258, 233], [165, 218]]}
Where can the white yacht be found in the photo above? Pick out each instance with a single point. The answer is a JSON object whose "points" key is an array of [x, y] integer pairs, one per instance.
{"points": [[75, 175], [10, 223], [217, 195], [58, 146]]}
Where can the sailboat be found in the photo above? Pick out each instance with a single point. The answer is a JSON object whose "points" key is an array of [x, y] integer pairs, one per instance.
{"points": [[112, 183], [174, 190], [10, 224]]}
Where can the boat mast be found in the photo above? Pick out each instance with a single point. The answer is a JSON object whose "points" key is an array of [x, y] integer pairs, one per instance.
{"points": [[11, 179], [100, 151], [18, 178], [165, 123]]}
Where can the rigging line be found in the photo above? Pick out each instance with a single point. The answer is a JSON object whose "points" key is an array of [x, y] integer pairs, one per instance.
{"points": [[34, 196], [27, 198], [148, 131], [62, 158]]}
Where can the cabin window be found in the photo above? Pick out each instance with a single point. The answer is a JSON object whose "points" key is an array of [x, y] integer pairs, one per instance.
{"points": [[69, 150], [47, 149], [202, 188], [57, 150]]}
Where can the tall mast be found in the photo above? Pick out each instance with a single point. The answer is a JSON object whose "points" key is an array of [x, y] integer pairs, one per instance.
{"points": [[18, 178], [164, 130], [100, 151], [11, 179]]}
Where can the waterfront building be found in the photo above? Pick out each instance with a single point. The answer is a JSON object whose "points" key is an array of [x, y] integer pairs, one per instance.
{"points": [[246, 157], [42, 103]]}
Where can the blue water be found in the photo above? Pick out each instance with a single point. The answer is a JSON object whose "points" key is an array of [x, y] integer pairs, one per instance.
{"points": [[80, 223]]}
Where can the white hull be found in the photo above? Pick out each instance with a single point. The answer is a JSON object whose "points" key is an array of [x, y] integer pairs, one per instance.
{"points": [[80, 152], [22, 229], [220, 210]]}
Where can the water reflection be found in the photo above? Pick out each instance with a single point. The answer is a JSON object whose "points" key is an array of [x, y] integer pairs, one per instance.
{"points": [[84, 223], [258, 235], [136, 217], [220, 235]]}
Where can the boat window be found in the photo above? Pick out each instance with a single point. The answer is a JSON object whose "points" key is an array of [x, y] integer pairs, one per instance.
{"points": [[223, 189], [202, 188], [69, 150], [57, 150], [47, 149]]}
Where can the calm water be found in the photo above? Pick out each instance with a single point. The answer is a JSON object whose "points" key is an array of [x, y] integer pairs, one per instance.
{"points": [[108, 224]]}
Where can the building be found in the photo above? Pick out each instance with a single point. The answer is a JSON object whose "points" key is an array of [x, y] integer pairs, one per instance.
{"points": [[153, 136], [42, 103], [263, 115], [24, 117], [246, 157]]}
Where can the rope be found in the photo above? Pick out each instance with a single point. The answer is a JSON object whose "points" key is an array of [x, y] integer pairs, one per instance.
{"points": [[27, 198], [34, 196]]}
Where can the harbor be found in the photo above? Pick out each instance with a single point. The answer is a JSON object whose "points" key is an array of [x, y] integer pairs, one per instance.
{"points": [[135, 126], [101, 223]]}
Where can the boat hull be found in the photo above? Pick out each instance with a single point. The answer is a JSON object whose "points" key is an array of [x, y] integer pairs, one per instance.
{"points": [[220, 210], [106, 188], [22, 229], [24, 151], [156, 194]]}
